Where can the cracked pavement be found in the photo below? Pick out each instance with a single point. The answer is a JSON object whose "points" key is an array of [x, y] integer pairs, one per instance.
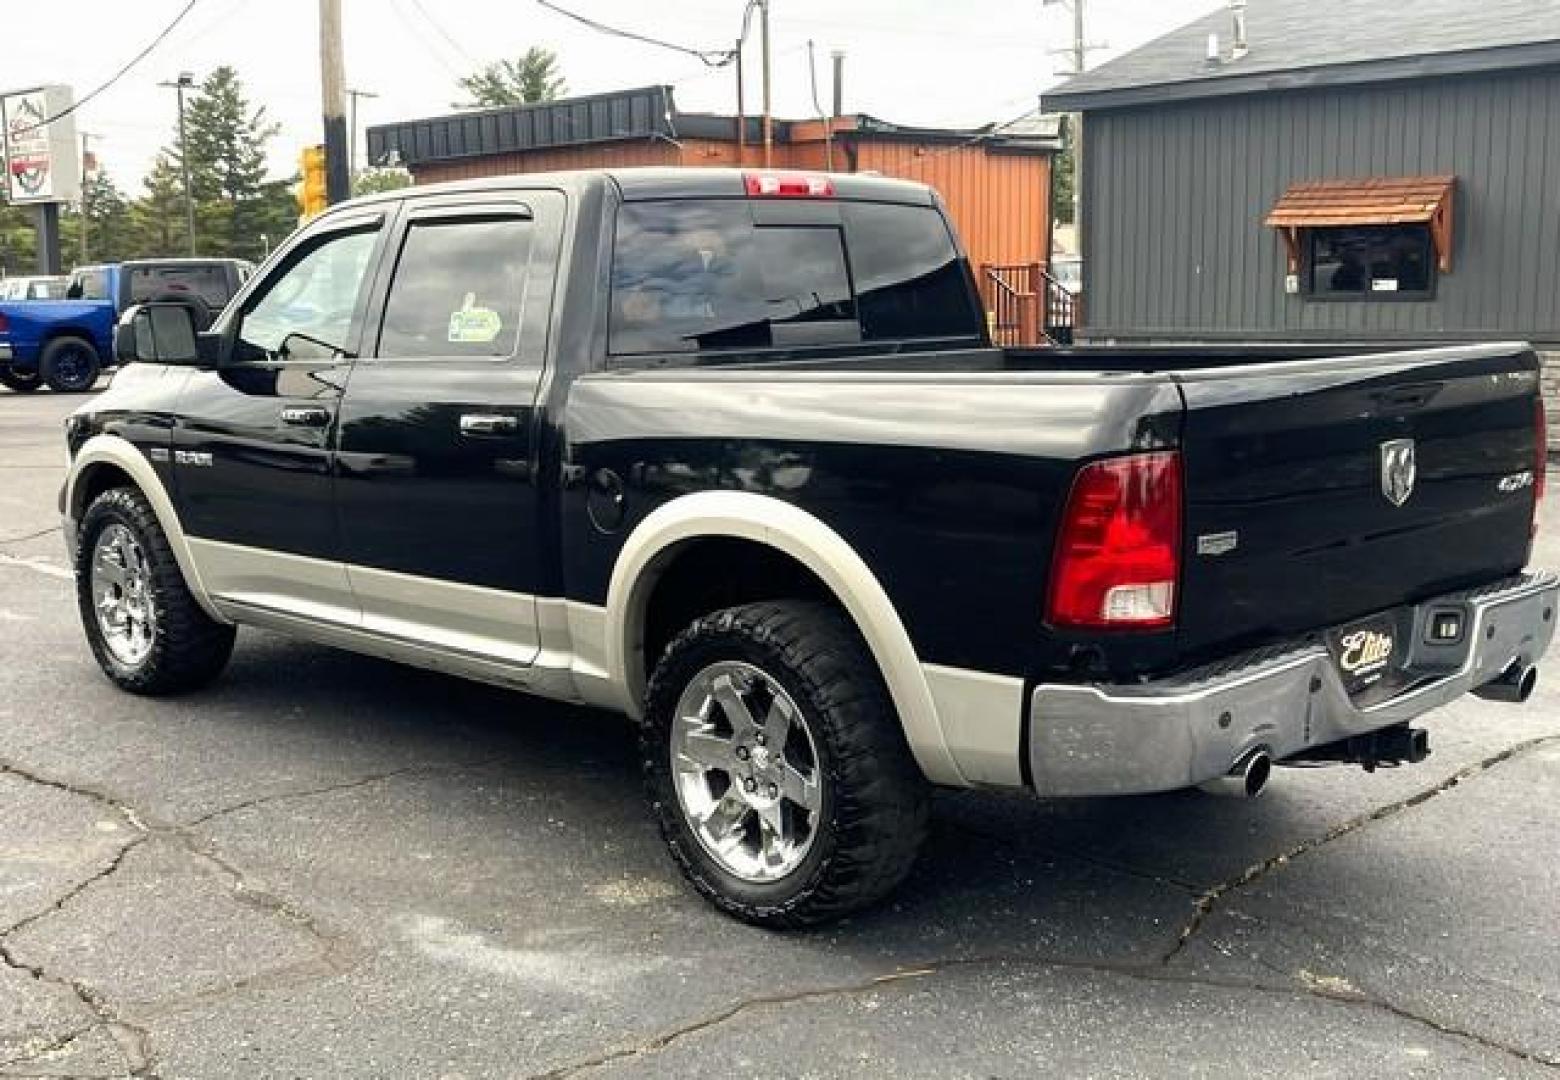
{"points": [[331, 866]]}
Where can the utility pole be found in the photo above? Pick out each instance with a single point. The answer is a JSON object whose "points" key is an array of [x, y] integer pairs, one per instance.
{"points": [[741, 109], [184, 82], [353, 129], [86, 195], [769, 120], [1077, 55], [333, 103]]}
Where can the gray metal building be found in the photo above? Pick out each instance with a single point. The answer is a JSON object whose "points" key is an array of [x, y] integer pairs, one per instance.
{"points": [[1252, 196]]}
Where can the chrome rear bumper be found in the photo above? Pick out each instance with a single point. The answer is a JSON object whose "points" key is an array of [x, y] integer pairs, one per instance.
{"points": [[1190, 728]]}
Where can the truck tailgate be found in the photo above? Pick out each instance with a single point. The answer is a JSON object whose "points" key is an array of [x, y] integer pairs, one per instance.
{"points": [[1321, 491]]}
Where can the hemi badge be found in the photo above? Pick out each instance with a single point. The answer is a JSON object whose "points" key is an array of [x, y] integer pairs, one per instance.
{"points": [[1221, 543], [158, 453]]}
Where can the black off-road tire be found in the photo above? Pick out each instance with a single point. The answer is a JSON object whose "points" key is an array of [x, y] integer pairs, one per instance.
{"points": [[21, 382], [189, 648], [70, 365], [875, 797]]}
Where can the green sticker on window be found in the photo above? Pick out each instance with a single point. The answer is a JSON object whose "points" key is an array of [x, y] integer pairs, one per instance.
{"points": [[474, 325]]}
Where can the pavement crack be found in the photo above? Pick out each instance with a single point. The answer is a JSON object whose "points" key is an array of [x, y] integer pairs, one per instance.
{"points": [[667, 1038], [1142, 971], [1210, 899], [9, 540], [328, 789], [133, 1042], [128, 812]]}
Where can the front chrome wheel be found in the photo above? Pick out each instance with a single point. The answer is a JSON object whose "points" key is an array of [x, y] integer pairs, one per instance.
{"points": [[122, 595], [745, 769]]}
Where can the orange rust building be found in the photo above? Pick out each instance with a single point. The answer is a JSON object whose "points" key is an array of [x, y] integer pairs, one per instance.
{"points": [[995, 181]]}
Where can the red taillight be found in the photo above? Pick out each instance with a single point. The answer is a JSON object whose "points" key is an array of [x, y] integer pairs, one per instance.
{"points": [[788, 185], [1118, 551], [5, 323]]}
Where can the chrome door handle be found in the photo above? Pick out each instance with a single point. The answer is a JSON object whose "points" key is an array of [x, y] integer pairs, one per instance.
{"points": [[305, 416], [488, 424]]}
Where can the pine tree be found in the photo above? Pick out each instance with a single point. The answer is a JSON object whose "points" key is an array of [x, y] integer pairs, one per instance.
{"points": [[157, 218], [109, 227], [234, 202]]}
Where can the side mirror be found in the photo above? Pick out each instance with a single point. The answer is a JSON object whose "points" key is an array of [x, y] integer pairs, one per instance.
{"points": [[156, 334]]}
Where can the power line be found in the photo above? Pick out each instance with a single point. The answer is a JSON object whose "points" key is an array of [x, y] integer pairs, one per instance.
{"points": [[457, 46], [711, 57], [981, 136], [116, 76], [422, 40]]}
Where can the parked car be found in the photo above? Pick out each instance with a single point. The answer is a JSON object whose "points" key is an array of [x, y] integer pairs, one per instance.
{"points": [[65, 344], [33, 288], [731, 454]]}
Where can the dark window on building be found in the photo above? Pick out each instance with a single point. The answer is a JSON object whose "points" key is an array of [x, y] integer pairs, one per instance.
{"points": [[910, 282], [210, 283], [458, 289], [1371, 262]]}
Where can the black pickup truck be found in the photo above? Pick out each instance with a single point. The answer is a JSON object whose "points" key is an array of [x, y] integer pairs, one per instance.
{"points": [[732, 454]]}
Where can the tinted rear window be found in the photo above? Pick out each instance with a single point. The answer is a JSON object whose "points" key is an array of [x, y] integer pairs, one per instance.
{"points": [[909, 280], [210, 283], [691, 276]]}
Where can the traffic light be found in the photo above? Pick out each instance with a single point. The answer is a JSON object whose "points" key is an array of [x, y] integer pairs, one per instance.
{"points": [[312, 198]]}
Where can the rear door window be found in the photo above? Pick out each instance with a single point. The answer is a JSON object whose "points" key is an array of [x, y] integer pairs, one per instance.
{"points": [[459, 288]]}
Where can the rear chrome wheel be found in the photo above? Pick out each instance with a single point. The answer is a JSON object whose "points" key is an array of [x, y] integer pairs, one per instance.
{"points": [[776, 766], [746, 770], [122, 595]]}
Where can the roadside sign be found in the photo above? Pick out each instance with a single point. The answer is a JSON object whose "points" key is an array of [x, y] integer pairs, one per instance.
{"points": [[41, 162]]}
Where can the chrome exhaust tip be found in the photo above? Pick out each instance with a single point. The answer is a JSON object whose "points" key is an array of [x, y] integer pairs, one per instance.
{"points": [[1516, 684], [1245, 780]]}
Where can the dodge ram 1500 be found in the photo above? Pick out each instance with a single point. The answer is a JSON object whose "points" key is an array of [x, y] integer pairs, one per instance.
{"points": [[731, 453]]}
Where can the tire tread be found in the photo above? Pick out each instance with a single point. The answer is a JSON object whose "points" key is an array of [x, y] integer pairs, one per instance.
{"points": [[880, 805]]}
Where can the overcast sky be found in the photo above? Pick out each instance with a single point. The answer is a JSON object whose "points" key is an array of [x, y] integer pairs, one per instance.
{"points": [[933, 62]]}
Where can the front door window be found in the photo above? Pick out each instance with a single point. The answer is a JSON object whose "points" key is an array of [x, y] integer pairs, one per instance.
{"points": [[305, 313]]}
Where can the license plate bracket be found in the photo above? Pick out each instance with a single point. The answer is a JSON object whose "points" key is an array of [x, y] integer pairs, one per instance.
{"points": [[1366, 652]]}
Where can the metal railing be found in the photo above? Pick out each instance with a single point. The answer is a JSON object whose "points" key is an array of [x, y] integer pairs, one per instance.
{"points": [[1027, 306]]}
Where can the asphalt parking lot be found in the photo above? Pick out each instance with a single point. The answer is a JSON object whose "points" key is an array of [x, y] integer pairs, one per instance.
{"points": [[331, 866]]}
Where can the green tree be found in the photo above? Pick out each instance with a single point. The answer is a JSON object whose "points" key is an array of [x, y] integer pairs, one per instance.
{"points": [[373, 181], [18, 238], [1062, 177], [108, 218], [235, 204], [535, 76], [157, 217]]}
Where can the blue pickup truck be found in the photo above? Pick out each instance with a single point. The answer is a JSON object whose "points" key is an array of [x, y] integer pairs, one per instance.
{"points": [[65, 344]]}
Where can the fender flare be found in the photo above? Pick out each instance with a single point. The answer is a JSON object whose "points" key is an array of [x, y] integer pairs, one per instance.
{"points": [[803, 537], [122, 453]]}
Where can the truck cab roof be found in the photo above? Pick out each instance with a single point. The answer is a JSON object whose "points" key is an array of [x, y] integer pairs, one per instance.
{"points": [[671, 182]]}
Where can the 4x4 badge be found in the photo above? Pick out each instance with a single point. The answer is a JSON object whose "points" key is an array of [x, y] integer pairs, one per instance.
{"points": [[1398, 470]]}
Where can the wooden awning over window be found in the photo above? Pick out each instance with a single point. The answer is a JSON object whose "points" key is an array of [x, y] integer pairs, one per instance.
{"points": [[1403, 200]]}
